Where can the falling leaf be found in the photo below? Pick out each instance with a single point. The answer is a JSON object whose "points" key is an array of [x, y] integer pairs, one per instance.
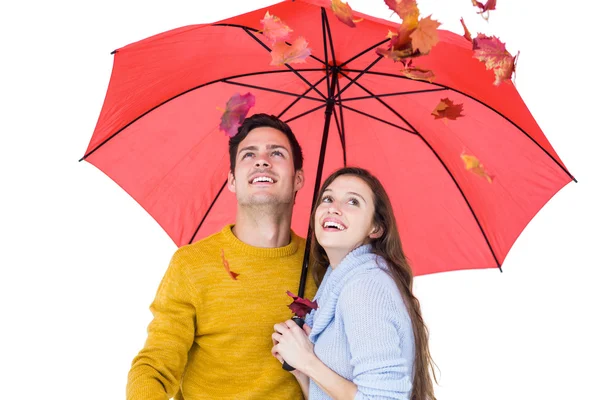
{"points": [[344, 13], [474, 165], [492, 52], [407, 10], [226, 265], [274, 29], [235, 112], [484, 8], [282, 53], [300, 306], [425, 36], [413, 72], [448, 110], [400, 45], [467, 34]]}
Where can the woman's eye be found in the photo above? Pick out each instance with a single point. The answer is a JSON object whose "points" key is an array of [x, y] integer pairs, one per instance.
{"points": [[326, 199], [353, 202]]}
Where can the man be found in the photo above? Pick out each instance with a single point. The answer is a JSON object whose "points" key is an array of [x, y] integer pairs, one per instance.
{"points": [[217, 304]]}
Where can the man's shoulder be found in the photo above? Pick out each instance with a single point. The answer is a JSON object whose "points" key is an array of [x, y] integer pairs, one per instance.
{"points": [[203, 247]]}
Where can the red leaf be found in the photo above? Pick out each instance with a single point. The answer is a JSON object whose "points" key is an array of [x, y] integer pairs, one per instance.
{"points": [[274, 29], [235, 112], [492, 52], [400, 45], [490, 5], [416, 73], [407, 10], [425, 36], [226, 265], [467, 34], [344, 13], [284, 54], [300, 306], [448, 110]]}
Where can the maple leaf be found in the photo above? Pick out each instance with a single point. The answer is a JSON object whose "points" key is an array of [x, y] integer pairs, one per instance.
{"points": [[492, 52], [407, 10], [226, 265], [474, 165], [283, 53], [447, 109], [467, 34], [425, 36], [344, 13], [416, 73], [235, 112], [274, 29], [300, 306], [484, 8], [400, 45]]}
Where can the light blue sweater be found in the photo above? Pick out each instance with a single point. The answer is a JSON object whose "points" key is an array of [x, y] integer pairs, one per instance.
{"points": [[362, 329]]}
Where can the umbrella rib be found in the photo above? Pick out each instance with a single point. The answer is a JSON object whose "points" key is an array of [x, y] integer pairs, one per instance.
{"points": [[247, 28], [378, 119], [287, 65], [489, 107], [341, 133], [185, 92], [445, 167], [362, 72], [306, 113], [395, 94], [300, 96], [363, 52], [208, 211]]}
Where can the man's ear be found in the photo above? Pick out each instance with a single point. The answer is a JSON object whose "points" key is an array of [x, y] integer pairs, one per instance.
{"points": [[376, 233], [231, 182], [299, 180]]}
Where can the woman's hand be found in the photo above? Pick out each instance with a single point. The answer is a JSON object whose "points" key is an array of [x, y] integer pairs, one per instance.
{"points": [[291, 343]]}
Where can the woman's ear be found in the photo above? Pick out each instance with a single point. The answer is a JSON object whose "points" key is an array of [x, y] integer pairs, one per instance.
{"points": [[376, 233]]}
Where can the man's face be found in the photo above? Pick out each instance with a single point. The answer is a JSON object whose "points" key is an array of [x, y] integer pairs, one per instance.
{"points": [[264, 171]]}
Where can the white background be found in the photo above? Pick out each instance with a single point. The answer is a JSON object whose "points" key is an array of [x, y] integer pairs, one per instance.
{"points": [[80, 260]]}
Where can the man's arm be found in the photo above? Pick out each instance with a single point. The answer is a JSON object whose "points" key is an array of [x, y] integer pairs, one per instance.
{"points": [[156, 371]]}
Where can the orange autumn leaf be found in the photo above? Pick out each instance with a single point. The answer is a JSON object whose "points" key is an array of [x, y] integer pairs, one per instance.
{"points": [[448, 110], [274, 29], [484, 8], [473, 165], [407, 10], [226, 265], [467, 34], [492, 52], [283, 53], [425, 36], [344, 13], [400, 45]]}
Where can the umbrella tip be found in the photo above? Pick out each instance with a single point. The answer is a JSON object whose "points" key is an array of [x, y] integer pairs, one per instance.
{"points": [[113, 52]]}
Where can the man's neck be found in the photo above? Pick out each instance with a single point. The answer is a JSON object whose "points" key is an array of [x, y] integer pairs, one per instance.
{"points": [[261, 230]]}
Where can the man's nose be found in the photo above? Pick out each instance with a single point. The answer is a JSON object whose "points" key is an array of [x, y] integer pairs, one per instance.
{"points": [[261, 162]]}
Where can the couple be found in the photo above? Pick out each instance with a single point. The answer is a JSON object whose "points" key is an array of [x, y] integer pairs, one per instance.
{"points": [[221, 297]]}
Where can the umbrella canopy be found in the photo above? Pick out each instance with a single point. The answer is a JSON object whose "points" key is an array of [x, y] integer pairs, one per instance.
{"points": [[158, 132]]}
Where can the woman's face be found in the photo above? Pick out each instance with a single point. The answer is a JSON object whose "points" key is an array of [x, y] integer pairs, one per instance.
{"points": [[344, 216]]}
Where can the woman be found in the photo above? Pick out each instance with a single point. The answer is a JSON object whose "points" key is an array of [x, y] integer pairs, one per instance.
{"points": [[368, 339]]}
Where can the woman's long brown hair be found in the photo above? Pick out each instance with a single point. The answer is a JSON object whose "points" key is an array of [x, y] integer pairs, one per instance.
{"points": [[389, 247]]}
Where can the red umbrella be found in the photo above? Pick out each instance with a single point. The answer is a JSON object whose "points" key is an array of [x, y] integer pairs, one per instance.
{"points": [[158, 132]]}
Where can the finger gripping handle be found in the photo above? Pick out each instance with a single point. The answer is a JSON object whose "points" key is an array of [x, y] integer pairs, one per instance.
{"points": [[300, 322]]}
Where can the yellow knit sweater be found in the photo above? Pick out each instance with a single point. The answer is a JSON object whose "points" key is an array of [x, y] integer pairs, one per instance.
{"points": [[211, 334]]}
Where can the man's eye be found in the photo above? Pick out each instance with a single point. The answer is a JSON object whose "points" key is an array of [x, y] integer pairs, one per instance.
{"points": [[246, 155], [277, 153]]}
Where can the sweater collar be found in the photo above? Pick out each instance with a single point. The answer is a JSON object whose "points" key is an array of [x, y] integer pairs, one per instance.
{"points": [[268, 252]]}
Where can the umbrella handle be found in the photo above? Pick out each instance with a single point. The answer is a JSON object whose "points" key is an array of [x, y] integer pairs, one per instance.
{"points": [[300, 322]]}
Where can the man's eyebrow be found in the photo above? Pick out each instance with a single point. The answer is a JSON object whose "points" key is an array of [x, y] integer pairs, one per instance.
{"points": [[248, 148], [277, 146]]}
